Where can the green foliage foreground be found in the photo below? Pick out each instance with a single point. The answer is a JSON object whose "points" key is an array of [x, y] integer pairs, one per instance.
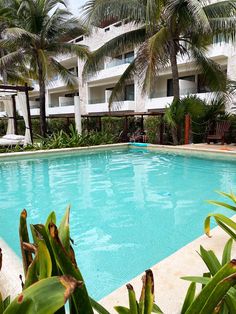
{"points": [[52, 276]]}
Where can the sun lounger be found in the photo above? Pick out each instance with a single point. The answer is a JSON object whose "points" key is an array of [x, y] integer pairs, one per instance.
{"points": [[12, 140]]}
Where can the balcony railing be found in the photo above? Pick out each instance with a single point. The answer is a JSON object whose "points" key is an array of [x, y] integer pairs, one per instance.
{"points": [[34, 104], [117, 62], [96, 101]]}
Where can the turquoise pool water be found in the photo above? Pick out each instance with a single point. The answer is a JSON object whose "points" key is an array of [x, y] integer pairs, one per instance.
{"points": [[130, 208]]}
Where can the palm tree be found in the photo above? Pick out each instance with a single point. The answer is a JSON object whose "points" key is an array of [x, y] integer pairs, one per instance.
{"points": [[41, 31], [164, 30]]}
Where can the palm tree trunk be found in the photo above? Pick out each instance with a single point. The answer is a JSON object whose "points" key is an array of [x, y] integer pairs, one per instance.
{"points": [[42, 90], [174, 69]]}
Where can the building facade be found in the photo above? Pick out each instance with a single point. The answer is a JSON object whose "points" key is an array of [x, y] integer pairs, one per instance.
{"points": [[94, 92]]}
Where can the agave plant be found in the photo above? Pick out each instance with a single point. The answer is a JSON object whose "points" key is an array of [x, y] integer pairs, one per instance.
{"points": [[227, 224]]}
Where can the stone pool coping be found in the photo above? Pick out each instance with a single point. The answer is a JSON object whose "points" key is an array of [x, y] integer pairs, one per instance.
{"points": [[170, 290], [200, 150]]}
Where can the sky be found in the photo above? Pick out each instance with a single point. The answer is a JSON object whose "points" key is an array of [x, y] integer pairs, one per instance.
{"points": [[74, 5]]}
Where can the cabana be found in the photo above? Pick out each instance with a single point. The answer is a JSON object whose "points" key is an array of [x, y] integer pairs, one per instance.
{"points": [[16, 98]]}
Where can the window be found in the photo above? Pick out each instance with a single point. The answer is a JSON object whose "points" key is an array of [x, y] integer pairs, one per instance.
{"points": [[2, 107], [169, 87], [185, 87], [79, 39], [202, 84], [107, 29], [129, 57], [118, 24], [129, 92]]}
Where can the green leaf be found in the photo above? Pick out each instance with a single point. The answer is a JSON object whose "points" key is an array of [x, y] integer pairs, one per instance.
{"points": [[133, 305], [6, 302], [231, 195], [24, 237], [44, 297], [156, 309], [219, 218], [44, 261], [226, 229], [206, 275], [222, 204], [80, 296], [189, 297], [226, 257], [149, 292], [197, 305], [210, 260], [64, 230], [40, 231], [98, 307], [51, 218], [196, 279], [122, 310], [218, 294], [1, 304], [230, 300]]}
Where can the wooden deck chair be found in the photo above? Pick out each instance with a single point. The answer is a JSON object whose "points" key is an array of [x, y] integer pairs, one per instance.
{"points": [[222, 127]]}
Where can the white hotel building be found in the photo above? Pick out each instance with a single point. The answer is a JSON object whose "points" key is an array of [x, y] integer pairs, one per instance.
{"points": [[94, 92]]}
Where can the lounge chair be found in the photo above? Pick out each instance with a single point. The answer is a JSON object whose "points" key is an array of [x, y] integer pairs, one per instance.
{"points": [[138, 136], [222, 127], [12, 140]]}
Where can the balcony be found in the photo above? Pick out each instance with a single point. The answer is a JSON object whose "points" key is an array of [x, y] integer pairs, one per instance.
{"points": [[65, 105], [109, 72], [163, 102], [126, 105], [116, 62], [34, 107]]}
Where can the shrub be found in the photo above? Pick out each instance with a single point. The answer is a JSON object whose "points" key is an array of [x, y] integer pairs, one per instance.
{"points": [[152, 128]]}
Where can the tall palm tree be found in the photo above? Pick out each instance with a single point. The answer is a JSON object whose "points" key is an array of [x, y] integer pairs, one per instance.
{"points": [[164, 30], [42, 31]]}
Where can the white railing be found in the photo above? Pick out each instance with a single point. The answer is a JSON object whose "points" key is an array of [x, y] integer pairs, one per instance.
{"points": [[34, 104], [126, 105], [66, 101], [163, 102]]}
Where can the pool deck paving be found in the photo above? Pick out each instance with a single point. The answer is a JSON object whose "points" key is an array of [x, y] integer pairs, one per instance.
{"points": [[212, 147]]}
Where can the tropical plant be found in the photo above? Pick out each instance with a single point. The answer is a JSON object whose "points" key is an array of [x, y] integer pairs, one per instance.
{"points": [[51, 272], [175, 114], [146, 302], [40, 34], [152, 128], [227, 224], [163, 30], [18, 73], [218, 294]]}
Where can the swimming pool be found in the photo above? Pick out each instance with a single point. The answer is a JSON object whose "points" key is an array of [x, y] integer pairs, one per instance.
{"points": [[130, 207]]}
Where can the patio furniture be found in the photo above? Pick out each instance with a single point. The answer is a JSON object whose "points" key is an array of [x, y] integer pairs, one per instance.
{"points": [[138, 136], [222, 127], [10, 140]]}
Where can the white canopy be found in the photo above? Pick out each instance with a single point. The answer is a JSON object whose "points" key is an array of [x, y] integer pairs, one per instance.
{"points": [[77, 114], [8, 107], [21, 99]]}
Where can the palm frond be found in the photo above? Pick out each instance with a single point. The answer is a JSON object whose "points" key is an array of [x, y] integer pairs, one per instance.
{"points": [[112, 48], [118, 90], [97, 12], [65, 74]]}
